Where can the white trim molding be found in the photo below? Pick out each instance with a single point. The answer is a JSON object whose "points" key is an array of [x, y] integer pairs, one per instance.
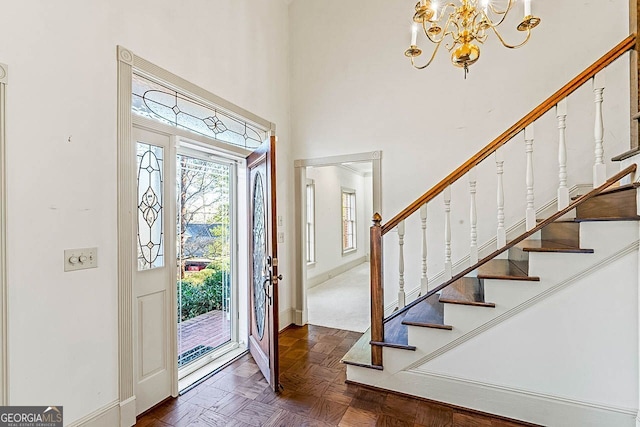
{"points": [[323, 277], [128, 62], [4, 344], [126, 250], [514, 402], [107, 416], [300, 182]]}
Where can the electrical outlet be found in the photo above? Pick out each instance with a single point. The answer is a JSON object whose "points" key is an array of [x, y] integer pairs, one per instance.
{"points": [[281, 237], [80, 259]]}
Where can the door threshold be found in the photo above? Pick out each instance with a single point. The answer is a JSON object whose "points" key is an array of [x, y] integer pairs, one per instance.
{"points": [[197, 376]]}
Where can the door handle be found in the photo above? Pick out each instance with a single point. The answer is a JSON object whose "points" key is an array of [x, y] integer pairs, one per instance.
{"points": [[267, 291]]}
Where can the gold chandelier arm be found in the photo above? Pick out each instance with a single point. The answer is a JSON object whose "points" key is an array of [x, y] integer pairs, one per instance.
{"points": [[507, 45], [500, 12], [433, 55], [445, 7], [504, 14], [445, 30]]}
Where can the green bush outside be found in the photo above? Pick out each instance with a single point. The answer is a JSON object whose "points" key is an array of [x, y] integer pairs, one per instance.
{"points": [[203, 291]]}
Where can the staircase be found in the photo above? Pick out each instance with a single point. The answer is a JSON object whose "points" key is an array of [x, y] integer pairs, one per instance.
{"points": [[497, 336]]}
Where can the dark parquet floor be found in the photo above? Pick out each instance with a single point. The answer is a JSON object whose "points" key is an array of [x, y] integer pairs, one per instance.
{"points": [[315, 394]]}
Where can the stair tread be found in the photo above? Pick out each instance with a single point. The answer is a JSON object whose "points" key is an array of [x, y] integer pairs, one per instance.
{"points": [[466, 290], [360, 353], [577, 220], [506, 269], [550, 246], [610, 190], [396, 334], [615, 202], [429, 313], [613, 218]]}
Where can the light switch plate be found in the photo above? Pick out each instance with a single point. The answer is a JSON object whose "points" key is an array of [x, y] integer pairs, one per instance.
{"points": [[80, 259]]}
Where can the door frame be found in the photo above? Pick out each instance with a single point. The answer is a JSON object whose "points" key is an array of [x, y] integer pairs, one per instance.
{"points": [[4, 342], [127, 62], [300, 182]]}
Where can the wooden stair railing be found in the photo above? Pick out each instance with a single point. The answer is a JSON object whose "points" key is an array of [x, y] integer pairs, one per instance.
{"points": [[378, 230]]}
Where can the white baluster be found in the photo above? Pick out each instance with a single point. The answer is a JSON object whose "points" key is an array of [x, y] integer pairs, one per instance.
{"points": [[563, 190], [531, 211], [401, 294], [473, 217], [424, 281], [501, 234], [599, 168], [447, 233]]}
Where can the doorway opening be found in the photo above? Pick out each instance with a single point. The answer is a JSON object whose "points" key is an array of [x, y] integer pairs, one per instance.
{"points": [[337, 224], [337, 197], [169, 130], [206, 264]]}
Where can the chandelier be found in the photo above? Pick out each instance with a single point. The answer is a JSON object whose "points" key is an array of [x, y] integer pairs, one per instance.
{"points": [[465, 23]]}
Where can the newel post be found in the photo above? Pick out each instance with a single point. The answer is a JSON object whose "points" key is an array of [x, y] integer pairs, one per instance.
{"points": [[377, 291]]}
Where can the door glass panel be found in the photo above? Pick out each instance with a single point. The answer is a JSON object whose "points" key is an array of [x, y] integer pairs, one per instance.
{"points": [[204, 257], [259, 255], [150, 239]]}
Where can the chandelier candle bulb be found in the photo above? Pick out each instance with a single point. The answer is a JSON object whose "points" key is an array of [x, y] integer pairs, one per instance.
{"points": [[527, 8], [434, 7], [414, 34]]}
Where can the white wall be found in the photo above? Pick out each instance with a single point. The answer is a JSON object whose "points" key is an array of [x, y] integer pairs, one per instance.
{"points": [[580, 348], [62, 57], [353, 90], [329, 181]]}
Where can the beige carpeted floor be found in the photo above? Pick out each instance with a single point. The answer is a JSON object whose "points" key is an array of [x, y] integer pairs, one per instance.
{"points": [[342, 302]]}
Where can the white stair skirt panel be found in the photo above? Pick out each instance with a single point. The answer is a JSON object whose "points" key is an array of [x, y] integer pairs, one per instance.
{"points": [[531, 357]]}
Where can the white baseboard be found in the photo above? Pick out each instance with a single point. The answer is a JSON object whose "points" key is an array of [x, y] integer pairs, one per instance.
{"points": [[287, 317], [520, 404], [107, 416], [323, 277], [128, 412]]}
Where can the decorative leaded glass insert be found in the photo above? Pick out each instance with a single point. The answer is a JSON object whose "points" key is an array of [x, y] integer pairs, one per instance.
{"points": [[259, 255], [150, 236], [159, 102]]}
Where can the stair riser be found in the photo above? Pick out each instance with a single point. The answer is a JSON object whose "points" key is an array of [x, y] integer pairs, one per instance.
{"points": [[467, 318], [604, 238], [397, 359], [563, 232], [510, 293], [616, 204], [430, 339], [517, 254], [608, 236]]}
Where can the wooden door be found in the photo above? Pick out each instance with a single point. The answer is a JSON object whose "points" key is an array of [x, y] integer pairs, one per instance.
{"points": [[154, 271], [263, 261]]}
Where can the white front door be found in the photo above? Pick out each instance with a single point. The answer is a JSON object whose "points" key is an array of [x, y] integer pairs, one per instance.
{"points": [[155, 270]]}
